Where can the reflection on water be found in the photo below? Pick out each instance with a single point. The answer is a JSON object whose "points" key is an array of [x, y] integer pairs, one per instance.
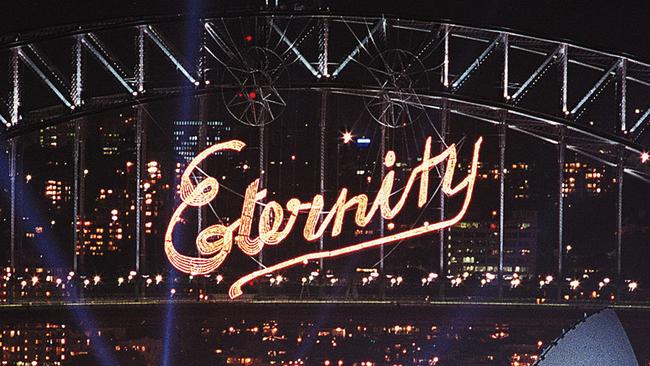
{"points": [[284, 336]]}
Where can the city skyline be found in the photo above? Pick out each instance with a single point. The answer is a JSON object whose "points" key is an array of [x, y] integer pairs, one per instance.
{"points": [[319, 182]]}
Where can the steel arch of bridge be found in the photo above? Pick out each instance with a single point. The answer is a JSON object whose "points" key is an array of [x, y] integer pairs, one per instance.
{"points": [[325, 47], [600, 105], [322, 51]]}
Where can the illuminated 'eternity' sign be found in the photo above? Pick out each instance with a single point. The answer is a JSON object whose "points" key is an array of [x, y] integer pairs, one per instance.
{"points": [[215, 242]]}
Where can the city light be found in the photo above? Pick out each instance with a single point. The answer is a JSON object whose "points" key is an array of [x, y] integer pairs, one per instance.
{"points": [[632, 286], [515, 282], [347, 137], [549, 279], [234, 217]]}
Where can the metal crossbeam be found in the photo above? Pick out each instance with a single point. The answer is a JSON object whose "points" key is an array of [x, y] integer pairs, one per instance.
{"points": [[106, 63], [46, 63], [15, 88], [294, 49], [362, 44], [77, 78], [157, 39], [532, 79], [29, 62], [622, 91], [140, 69], [323, 46], [445, 64], [466, 74], [609, 73], [218, 40], [640, 121]]}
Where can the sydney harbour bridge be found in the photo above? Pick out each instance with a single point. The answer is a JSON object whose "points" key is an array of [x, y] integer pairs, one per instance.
{"points": [[406, 79]]}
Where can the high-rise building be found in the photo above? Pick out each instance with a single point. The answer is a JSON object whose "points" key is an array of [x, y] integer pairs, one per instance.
{"points": [[518, 181], [473, 246], [107, 226], [54, 137], [581, 179], [192, 136], [40, 344], [57, 192]]}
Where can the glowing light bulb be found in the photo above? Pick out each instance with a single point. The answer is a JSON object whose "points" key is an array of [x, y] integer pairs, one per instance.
{"points": [[347, 137], [515, 282], [549, 279]]}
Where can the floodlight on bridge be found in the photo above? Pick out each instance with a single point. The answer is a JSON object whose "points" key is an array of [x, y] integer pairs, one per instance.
{"points": [[105, 62], [43, 77], [157, 39], [381, 24], [292, 46]]}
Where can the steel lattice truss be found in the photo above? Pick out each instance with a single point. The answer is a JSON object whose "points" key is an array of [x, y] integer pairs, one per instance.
{"points": [[592, 102]]}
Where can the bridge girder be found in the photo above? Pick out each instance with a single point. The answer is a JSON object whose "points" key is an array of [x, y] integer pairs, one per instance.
{"points": [[455, 52]]}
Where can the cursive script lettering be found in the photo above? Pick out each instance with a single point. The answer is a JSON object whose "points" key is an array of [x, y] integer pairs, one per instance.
{"points": [[215, 242]]}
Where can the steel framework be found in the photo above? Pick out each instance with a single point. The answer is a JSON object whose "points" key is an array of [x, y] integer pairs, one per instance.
{"points": [[296, 52]]}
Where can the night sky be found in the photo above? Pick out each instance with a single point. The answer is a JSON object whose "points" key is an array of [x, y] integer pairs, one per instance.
{"points": [[182, 335], [620, 26]]}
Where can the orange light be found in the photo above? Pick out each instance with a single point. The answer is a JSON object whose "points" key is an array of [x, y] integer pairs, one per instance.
{"points": [[215, 242]]}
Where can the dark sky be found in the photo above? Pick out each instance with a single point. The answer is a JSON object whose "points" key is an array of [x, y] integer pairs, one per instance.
{"points": [[621, 26]]}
